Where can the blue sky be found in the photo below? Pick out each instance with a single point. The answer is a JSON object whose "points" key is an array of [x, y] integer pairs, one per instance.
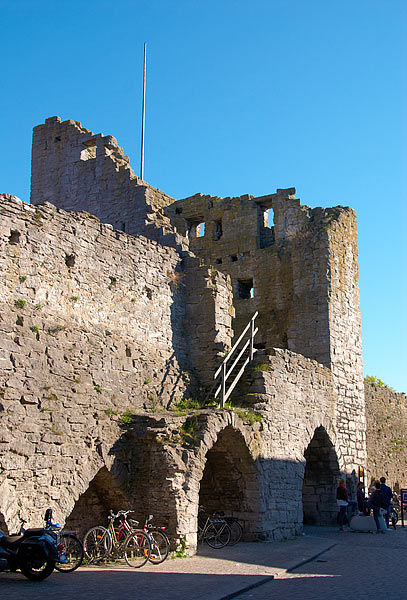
{"points": [[242, 97]]}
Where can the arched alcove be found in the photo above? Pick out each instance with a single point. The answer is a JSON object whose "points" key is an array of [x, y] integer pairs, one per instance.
{"points": [[320, 480], [229, 481], [93, 506]]}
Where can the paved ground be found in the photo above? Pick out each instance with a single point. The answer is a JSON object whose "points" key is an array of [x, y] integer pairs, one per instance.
{"points": [[335, 565]]}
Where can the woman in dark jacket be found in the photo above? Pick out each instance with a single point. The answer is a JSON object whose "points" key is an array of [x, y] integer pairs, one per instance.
{"points": [[342, 500]]}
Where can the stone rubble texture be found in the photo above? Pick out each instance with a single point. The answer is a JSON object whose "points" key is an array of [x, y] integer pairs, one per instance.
{"points": [[114, 308]]}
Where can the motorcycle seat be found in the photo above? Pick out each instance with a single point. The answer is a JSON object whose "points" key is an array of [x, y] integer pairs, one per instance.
{"points": [[8, 541]]}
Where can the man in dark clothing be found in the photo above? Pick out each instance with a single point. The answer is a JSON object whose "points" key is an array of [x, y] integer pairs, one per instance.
{"points": [[387, 495], [376, 502]]}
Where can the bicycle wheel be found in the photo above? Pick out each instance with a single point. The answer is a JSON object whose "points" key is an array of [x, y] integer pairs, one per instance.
{"points": [[137, 549], [218, 534], [73, 550], [160, 546], [236, 532], [97, 544]]}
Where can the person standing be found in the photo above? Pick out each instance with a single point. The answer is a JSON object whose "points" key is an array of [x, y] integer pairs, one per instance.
{"points": [[361, 499], [376, 502], [387, 495], [343, 502]]}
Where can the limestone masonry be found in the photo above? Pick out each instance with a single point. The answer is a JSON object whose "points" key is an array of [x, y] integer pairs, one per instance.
{"points": [[119, 303]]}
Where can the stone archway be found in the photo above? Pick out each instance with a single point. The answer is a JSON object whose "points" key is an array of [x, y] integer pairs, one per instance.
{"points": [[320, 480], [229, 480], [92, 508]]}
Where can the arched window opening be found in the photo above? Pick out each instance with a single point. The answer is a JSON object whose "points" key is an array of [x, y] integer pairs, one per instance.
{"points": [[320, 481]]}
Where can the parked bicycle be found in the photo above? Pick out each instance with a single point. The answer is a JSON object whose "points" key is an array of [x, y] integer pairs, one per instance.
{"points": [[160, 544], [100, 543], [68, 543], [395, 507], [213, 529], [236, 530]]}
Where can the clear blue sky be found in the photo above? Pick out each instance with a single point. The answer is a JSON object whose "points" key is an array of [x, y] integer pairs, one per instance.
{"points": [[242, 97]]}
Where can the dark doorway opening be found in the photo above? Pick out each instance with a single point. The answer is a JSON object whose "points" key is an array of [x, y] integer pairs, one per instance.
{"points": [[229, 481], [320, 481]]}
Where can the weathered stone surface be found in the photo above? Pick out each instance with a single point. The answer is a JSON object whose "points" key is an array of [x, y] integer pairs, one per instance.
{"points": [[105, 324], [386, 435]]}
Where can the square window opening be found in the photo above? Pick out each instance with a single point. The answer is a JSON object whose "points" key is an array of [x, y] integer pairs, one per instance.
{"points": [[244, 289]]}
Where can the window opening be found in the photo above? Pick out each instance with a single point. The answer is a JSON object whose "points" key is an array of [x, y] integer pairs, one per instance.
{"points": [[269, 218], [14, 237], [124, 227], [217, 230], [218, 261], [70, 260], [233, 258], [200, 230], [178, 211], [89, 152], [244, 289]]}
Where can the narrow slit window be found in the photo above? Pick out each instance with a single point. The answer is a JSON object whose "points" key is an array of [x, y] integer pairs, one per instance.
{"points": [[200, 230], [269, 218], [217, 230]]}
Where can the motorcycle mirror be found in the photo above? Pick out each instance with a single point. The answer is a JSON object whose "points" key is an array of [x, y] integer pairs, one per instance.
{"points": [[48, 514]]}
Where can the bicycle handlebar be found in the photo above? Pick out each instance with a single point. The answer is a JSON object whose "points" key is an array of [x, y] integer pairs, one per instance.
{"points": [[121, 512]]}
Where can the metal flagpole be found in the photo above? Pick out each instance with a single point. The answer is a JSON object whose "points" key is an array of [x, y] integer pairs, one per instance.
{"points": [[143, 118]]}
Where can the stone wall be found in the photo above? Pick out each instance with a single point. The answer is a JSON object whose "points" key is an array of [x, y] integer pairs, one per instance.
{"points": [[386, 433], [92, 325], [77, 170], [103, 330], [277, 268]]}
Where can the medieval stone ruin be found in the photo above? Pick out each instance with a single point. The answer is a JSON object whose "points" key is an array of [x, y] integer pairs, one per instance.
{"points": [[119, 304]]}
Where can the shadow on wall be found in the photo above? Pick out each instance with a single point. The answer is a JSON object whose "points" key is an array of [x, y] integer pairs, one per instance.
{"points": [[93, 507], [320, 480], [3, 525]]}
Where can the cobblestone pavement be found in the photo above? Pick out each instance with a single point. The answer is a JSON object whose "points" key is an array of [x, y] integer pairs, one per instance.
{"points": [[362, 565]]}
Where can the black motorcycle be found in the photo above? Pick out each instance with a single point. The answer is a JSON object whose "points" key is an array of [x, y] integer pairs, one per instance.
{"points": [[34, 552]]}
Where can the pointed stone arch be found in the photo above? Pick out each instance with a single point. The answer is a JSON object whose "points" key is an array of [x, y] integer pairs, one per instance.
{"points": [[321, 475], [103, 494], [222, 473]]}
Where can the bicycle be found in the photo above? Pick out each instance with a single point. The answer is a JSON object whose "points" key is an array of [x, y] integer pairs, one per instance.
{"points": [[160, 543], [101, 542], [236, 530], [214, 531]]}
